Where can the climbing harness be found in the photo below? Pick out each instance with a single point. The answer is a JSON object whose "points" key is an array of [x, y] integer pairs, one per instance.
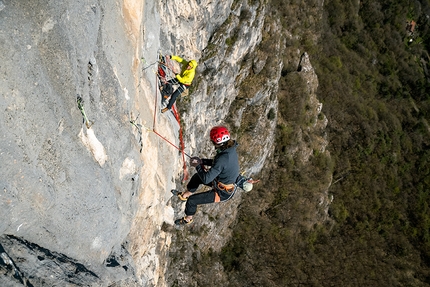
{"points": [[80, 102], [164, 69], [219, 187], [166, 78], [225, 187]]}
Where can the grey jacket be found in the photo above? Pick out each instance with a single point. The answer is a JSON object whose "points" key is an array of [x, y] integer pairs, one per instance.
{"points": [[224, 167]]}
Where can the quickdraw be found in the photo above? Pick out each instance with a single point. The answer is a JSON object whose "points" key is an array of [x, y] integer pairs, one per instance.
{"points": [[139, 130], [80, 102]]}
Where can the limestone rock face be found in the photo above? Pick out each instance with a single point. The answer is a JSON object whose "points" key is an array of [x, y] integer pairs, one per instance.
{"points": [[85, 197], [235, 86], [224, 40], [69, 191], [230, 87], [315, 131]]}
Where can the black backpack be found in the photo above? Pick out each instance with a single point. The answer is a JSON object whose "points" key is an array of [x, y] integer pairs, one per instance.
{"points": [[167, 89]]}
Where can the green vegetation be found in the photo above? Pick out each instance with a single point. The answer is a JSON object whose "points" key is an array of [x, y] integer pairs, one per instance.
{"points": [[376, 96]]}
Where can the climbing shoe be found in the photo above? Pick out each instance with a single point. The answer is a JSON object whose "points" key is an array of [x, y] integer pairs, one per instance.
{"points": [[179, 194], [182, 221], [164, 110]]}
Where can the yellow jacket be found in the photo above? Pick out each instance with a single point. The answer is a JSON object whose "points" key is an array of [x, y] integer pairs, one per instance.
{"points": [[185, 76]]}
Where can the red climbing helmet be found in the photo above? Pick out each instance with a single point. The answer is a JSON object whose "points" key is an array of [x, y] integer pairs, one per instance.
{"points": [[219, 134]]}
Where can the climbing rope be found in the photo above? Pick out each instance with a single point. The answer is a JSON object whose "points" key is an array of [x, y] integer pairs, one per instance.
{"points": [[139, 128], [179, 149], [181, 141], [162, 79]]}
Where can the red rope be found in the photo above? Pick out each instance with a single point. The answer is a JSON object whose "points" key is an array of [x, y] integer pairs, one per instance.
{"points": [[172, 145], [156, 99], [181, 140]]}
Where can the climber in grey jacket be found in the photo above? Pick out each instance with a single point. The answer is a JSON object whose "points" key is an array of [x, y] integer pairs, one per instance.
{"points": [[221, 176]]}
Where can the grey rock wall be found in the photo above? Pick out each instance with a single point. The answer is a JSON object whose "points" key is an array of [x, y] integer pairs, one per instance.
{"points": [[236, 85], [88, 203], [96, 194], [65, 188], [229, 60]]}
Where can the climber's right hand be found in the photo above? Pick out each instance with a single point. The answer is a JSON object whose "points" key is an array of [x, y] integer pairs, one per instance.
{"points": [[195, 161]]}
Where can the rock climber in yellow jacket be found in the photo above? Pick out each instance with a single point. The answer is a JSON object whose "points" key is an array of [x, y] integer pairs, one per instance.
{"points": [[183, 79]]}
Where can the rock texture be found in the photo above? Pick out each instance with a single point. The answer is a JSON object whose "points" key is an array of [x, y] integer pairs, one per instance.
{"points": [[236, 85], [315, 130], [84, 193], [68, 190], [312, 141]]}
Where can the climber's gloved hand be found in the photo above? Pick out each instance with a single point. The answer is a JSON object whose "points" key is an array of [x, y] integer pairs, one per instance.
{"points": [[195, 161]]}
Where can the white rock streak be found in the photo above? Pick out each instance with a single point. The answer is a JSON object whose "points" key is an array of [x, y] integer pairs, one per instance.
{"points": [[128, 167], [93, 145]]}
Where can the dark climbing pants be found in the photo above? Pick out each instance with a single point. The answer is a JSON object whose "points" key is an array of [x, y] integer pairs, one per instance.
{"points": [[201, 197], [176, 94]]}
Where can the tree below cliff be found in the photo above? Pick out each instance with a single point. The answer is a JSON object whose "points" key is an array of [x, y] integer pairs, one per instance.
{"points": [[374, 86]]}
